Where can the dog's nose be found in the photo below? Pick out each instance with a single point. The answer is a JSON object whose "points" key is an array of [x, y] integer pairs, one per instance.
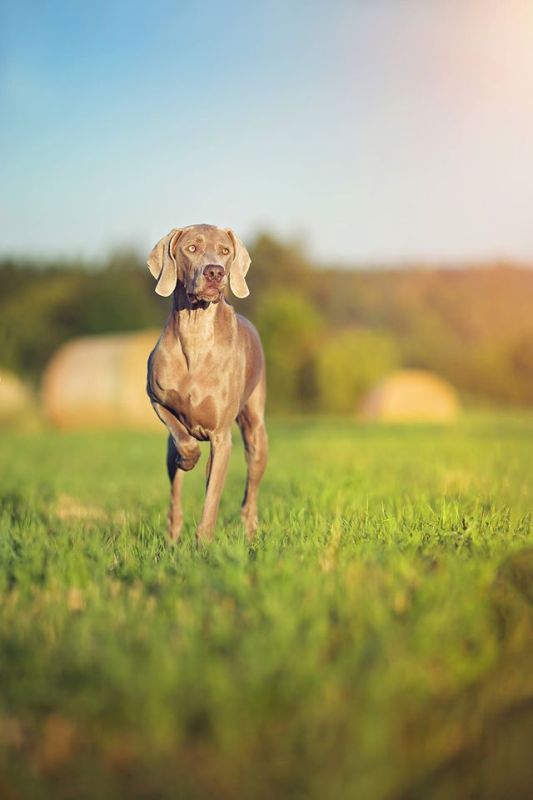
{"points": [[213, 273]]}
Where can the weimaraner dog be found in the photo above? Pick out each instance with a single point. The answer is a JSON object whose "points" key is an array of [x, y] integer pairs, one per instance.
{"points": [[207, 368]]}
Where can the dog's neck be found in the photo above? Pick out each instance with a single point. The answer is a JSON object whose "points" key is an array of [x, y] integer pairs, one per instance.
{"points": [[196, 324]]}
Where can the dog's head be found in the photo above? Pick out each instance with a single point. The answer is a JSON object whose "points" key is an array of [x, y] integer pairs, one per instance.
{"points": [[202, 258]]}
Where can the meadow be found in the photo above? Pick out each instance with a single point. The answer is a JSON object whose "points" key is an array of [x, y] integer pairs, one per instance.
{"points": [[374, 641]]}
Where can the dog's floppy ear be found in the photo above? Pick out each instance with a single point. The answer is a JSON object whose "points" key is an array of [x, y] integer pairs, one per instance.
{"points": [[239, 267], [162, 262]]}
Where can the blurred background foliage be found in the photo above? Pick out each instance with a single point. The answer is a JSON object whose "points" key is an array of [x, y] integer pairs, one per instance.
{"points": [[471, 325]]}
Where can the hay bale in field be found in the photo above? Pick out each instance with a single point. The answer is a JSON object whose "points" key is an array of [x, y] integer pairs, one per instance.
{"points": [[100, 382], [16, 400], [410, 395]]}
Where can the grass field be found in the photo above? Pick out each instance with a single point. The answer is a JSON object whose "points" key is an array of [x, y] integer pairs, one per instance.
{"points": [[375, 641]]}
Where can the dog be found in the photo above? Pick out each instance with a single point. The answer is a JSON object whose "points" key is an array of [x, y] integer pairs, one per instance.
{"points": [[207, 368]]}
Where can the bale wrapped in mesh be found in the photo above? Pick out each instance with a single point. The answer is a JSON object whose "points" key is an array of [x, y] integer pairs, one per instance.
{"points": [[100, 382], [17, 405], [410, 395]]}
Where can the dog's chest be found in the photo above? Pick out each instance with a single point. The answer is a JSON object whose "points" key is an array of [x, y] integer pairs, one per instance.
{"points": [[196, 389]]}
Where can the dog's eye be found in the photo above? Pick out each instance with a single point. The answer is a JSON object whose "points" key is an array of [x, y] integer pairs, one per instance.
{"points": [[225, 251], [192, 248]]}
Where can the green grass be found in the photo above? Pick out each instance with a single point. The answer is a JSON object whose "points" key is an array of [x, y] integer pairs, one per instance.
{"points": [[375, 641]]}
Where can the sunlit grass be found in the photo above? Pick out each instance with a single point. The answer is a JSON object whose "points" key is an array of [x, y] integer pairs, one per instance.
{"points": [[374, 641]]}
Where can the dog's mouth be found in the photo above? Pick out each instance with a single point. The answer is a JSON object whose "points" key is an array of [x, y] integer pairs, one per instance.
{"points": [[202, 299]]}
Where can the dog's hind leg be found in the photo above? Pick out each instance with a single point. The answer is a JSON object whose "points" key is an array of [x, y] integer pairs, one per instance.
{"points": [[251, 421]]}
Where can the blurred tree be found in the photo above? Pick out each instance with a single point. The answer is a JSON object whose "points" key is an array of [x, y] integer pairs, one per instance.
{"points": [[117, 300], [522, 363], [31, 327], [45, 307], [289, 328], [348, 363], [276, 265]]}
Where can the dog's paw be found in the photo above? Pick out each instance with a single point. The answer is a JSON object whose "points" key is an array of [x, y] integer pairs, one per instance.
{"points": [[250, 522]]}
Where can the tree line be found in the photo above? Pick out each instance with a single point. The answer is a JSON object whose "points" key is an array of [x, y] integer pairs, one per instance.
{"points": [[329, 333]]}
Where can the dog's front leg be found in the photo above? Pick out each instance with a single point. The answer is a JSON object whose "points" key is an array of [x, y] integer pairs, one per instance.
{"points": [[175, 513], [182, 454], [218, 466]]}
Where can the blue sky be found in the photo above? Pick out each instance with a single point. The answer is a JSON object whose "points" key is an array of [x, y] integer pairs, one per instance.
{"points": [[375, 130]]}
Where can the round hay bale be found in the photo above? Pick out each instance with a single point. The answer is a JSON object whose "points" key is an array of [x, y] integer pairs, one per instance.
{"points": [[16, 401], [410, 395], [100, 382]]}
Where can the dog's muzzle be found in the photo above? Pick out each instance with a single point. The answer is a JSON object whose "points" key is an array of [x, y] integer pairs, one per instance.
{"points": [[212, 289]]}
